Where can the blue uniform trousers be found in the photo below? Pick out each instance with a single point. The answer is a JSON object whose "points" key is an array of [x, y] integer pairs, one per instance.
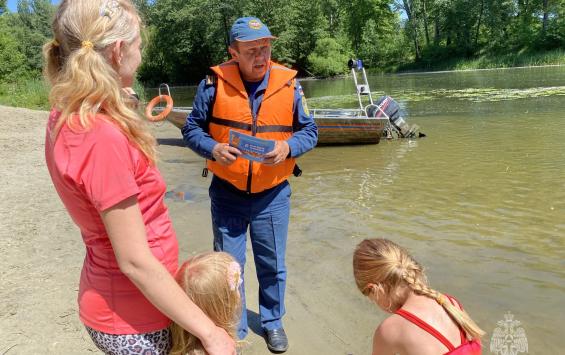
{"points": [[266, 214]]}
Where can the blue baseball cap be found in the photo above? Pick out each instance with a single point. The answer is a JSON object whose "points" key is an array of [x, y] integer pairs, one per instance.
{"points": [[246, 29]]}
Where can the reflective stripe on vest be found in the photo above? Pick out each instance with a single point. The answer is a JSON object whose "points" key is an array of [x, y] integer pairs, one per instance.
{"points": [[274, 121]]}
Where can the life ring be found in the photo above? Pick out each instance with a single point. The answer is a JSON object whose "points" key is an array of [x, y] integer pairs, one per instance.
{"points": [[163, 114]]}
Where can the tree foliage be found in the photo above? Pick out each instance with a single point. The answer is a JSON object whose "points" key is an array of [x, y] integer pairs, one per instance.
{"points": [[31, 26], [183, 38], [328, 58], [3, 7], [13, 61], [187, 36], [384, 33]]}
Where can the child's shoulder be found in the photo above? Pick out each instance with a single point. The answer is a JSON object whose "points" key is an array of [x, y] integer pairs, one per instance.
{"points": [[390, 332], [392, 327]]}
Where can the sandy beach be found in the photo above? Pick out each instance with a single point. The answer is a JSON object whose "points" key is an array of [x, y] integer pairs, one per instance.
{"points": [[43, 252]]}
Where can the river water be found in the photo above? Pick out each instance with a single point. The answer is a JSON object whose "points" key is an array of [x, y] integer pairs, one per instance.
{"points": [[480, 201]]}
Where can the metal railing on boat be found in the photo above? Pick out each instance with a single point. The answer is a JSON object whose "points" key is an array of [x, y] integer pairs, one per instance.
{"points": [[338, 113]]}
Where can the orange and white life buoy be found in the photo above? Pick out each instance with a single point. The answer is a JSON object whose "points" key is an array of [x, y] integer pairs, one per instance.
{"points": [[161, 115]]}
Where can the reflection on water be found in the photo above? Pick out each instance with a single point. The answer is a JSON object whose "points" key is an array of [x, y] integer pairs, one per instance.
{"points": [[480, 201], [473, 95]]}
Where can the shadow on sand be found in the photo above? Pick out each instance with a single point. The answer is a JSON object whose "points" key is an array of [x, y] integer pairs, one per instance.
{"points": [[254, 323], [175, 142]]}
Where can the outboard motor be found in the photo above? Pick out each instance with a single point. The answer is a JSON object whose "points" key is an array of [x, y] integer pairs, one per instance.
{"points": [[387, 107], [384, 107], [355, 64]]}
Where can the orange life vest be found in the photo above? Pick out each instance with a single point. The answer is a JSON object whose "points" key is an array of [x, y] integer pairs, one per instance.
{"points": [[274, 121]]}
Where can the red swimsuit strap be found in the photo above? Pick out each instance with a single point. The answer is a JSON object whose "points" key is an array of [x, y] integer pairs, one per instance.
{"points": [[425, 326]]}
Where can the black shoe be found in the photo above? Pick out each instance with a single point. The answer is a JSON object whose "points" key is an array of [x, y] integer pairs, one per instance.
{"points": [[277, 341]]}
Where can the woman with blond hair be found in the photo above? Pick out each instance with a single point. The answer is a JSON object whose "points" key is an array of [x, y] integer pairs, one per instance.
{"points": [[212, 282], [101, 159], [423, 321]]}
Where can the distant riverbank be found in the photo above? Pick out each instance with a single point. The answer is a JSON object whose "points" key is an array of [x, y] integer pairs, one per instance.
{"points": [[512, 60], [34, 93]]}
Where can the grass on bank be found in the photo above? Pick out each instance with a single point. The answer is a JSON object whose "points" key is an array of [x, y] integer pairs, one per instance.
{"points": [[34, 94], [30, 93], [520, 59]]}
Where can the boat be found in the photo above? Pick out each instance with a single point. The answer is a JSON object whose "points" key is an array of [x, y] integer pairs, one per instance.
{"points": [[339, 126], [366, 124]]}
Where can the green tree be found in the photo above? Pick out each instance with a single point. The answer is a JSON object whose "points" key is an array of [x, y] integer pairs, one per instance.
{"points": [[144, 8], [334, 15], [31, 26], [498, 22], [381, 47], [187, 38], [267, 11], [328, 58], [3, 7], [410, 8], [300, 25], [554, 35], [359, 12], [13, 61]]}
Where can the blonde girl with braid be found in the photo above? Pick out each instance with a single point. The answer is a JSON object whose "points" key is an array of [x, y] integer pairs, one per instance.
{"points": [[101, 158], [212, 281], [423, 321]]}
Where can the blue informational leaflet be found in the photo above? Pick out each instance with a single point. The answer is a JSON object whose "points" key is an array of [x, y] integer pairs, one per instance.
{"points": [[252, 148]]}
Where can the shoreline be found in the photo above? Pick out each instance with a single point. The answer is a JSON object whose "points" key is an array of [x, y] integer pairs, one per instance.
{"points": [[415, 72], [36, 96], [410, 72], [478, 69], [44, 254]]}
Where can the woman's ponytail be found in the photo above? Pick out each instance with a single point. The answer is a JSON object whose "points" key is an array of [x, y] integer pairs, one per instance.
{"points": [[79, 68], [53, 60]]}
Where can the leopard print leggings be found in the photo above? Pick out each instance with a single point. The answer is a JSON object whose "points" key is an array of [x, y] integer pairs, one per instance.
{"points": [[154, 343]]}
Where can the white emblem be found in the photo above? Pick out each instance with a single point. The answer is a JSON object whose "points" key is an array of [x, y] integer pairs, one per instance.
{"points": [[508, 338]]}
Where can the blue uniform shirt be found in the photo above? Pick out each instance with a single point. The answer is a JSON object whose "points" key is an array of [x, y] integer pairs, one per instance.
{"points": [[195, 130]]}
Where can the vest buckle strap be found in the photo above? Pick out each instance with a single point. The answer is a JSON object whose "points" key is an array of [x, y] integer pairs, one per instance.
{"points": [[274, 128], [248, 127], [230, 123], [211, 80]]}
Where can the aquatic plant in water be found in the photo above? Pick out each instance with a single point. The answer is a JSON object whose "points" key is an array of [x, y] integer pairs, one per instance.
{"points": [[468, 94]]}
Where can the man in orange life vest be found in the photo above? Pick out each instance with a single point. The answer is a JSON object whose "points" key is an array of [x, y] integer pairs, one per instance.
{"points": [[253, 95]]}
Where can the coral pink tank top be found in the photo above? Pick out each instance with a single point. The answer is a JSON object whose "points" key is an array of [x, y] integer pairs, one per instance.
{"points": [[467, 347]]}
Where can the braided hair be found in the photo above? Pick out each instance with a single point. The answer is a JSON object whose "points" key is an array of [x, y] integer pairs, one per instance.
{"points": [[389, 266]]}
